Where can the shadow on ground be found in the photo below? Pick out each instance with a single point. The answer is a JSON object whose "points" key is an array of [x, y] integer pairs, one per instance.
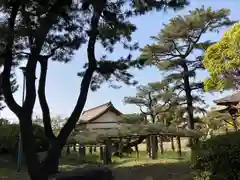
{"points": [[173, 171], [127, 168]]}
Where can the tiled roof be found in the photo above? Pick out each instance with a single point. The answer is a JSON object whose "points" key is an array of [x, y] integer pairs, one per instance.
{"points": [[232, 99], [94, 113]]}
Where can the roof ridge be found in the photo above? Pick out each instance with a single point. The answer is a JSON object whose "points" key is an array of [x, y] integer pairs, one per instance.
{"points": [[108, 103]]}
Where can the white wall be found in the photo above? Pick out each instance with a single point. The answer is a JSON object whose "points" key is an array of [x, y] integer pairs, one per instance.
{"points": [[107, 117]]}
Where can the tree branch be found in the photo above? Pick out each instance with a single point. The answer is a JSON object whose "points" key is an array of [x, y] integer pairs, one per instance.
{"points": [[92, 64], [228, 122], [175, 47], [190, 48], [140, 107], [43, 101], [8, 61], [45, 25]]}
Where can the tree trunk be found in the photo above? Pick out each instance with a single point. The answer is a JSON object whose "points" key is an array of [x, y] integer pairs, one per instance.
{"points": [[95, 149], [154, 147], [148, 144], [188, 91], [235, 125], [137, 151], [35, 170], [172, 143], [51, 162]]}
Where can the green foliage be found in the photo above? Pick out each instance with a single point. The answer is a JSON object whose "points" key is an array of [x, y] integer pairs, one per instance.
{"points": [[130, 131], [38, 31], [4, 121], [222, 60], [216, 120], [133, 118], [153, 99], [9, 135], [56, 123], [218, 158]]}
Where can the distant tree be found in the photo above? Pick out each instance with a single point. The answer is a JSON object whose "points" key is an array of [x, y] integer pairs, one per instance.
{"points": [[39, 31], [175, 48], [215, 120], [152, 99], [4, 121], [56, 122], [133, 118], [222, 60]]}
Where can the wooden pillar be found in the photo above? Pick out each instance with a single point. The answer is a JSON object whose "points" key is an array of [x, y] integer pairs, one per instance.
{"points": [[148, 145], [179, 146], [233, 112], [81, 150], [95, 148], [102, 153], [172, 143], [74, 147], [161, 144], [120, 148], [137, 151], [68, 149], [90, 149], [108, 152]]}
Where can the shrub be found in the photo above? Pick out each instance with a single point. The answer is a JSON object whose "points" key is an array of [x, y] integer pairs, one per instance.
{"points": [[9, 135], [217, 158]]}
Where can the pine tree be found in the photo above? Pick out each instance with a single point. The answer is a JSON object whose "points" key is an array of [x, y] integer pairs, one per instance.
{"points": [[38, 31], [153, 100], [215, 121], [133, 118], [178, 51]]}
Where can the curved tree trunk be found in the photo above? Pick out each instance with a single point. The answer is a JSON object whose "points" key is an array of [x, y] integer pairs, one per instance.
{"points": [[126, 147]]}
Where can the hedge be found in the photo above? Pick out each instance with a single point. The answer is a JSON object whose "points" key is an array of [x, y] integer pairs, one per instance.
{"points": [[218, 158], [9, 135]]}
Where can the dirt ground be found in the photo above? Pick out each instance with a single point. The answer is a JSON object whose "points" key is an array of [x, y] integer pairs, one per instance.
{"points": [[175, 171]]}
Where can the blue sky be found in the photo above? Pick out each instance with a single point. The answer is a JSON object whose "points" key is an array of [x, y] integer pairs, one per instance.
{"points": [[63, 84]]}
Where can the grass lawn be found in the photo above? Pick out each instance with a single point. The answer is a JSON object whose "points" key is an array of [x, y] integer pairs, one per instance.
{"points": [[166, 167]]}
